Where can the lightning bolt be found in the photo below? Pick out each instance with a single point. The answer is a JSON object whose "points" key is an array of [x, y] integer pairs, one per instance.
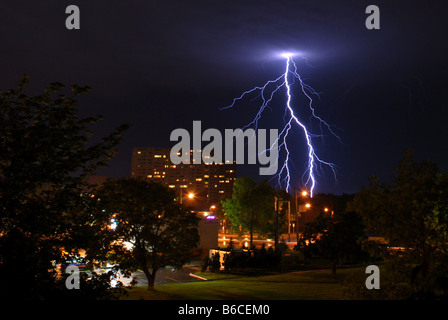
{"points": [[266, 93]]}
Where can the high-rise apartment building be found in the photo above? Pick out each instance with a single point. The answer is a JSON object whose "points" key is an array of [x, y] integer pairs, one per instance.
{"points": [[208, 183]]}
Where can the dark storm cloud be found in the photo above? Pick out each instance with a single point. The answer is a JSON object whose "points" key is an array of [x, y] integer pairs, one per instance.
{"points": [[162, 64]]}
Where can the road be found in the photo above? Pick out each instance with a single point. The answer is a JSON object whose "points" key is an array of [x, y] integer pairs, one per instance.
{"points": [[166, 276]]}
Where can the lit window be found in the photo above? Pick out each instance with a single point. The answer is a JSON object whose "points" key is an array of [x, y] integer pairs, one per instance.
{"points": [[139, 152], [157, 156]]}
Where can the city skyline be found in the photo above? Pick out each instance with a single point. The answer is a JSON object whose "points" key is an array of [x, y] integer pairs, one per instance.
{"points": [[207, 183]]}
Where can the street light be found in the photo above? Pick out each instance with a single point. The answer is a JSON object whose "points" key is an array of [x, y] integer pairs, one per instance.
{"points": [[326, 209], [300, 208], [190, 195]]}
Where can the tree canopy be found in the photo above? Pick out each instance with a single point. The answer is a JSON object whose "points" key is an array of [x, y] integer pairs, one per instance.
{"points": [[411, 212], [150, 231], [251, 207], [337, 239], [46, 155]]}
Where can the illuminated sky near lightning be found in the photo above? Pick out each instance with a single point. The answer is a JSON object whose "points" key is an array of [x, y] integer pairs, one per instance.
{"points": [[266, 93]]}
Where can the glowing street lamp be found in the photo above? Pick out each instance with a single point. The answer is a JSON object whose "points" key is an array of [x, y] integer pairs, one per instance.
{"points": [[190, 195]]}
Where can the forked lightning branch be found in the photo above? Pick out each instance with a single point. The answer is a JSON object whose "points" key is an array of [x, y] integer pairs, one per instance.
{"points": [[268, 152]]}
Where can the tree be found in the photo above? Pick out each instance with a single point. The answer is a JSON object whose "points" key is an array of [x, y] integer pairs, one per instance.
{"points": [[251, 206], [410, 212], [152, 230], [337, 238], [46, 155]]}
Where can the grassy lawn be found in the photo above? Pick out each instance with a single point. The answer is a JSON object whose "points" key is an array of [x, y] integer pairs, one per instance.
{"points": [[315, 285]]}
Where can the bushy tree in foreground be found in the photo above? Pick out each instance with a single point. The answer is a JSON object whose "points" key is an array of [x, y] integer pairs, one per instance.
{"points": [[411, 212], [45, 158]]}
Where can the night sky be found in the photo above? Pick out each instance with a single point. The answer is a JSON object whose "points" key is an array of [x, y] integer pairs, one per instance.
{"points": [[159, 65]]}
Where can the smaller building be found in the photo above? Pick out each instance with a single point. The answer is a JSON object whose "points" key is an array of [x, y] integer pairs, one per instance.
{"points": [[208, 232]]}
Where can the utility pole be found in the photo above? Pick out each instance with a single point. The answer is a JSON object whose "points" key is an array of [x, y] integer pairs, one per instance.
{"points": [[276, 224], [296, 208], [289, 221]]}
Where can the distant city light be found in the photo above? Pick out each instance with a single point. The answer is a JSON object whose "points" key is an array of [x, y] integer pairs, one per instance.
{"points": [[113, 224]]}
